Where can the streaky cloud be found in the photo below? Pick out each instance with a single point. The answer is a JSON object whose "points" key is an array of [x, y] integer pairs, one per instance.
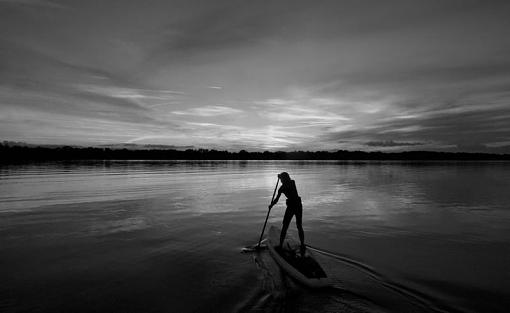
{"points": [[391, 143], [210, 110]]}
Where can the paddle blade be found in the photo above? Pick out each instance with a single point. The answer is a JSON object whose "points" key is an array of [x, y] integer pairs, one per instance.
{"points": [[254, 248]]}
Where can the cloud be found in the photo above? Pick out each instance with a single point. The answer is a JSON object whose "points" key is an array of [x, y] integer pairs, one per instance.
{"points": [[35, 3], [339, 74], [391, 143], [460, 127], [207, 111], [292, 111], [498, 144], [147, 98], [276, 102], [209, 128], [131, 93], [406, 129]]}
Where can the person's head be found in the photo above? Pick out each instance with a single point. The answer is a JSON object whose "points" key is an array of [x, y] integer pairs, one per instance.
{"points": [[284, 177]]}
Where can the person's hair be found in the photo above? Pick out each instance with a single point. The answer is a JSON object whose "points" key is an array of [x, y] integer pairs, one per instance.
{"points": [[284, 176]]}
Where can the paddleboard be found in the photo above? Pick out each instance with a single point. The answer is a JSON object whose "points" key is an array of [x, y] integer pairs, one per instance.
{"points": [[304, 269]]}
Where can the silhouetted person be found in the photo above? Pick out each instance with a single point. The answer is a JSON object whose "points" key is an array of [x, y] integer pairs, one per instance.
{"points": [[294, 207]]}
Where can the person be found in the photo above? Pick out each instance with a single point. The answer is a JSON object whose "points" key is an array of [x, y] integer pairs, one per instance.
{"points": [[294, 207]]}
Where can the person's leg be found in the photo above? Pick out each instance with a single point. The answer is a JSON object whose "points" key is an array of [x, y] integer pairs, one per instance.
{"points": [[286, 221], [299, 225]]}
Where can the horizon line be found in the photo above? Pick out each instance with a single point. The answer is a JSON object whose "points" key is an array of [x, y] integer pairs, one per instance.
{"points": [[155, 148]]}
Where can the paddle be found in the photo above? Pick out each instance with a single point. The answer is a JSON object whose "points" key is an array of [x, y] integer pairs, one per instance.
{"points": [[252, 248]]}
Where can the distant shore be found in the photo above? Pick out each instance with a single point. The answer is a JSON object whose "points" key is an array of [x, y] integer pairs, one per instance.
{"points": [[22, 153]]}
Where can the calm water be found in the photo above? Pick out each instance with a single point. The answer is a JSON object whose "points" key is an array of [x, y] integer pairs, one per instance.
{"points": [[166, 237]]}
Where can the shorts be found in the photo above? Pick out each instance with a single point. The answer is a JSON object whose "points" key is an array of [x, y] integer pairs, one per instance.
{"points": [[294, 207]]}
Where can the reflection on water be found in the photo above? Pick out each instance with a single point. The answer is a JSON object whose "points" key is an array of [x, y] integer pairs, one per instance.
{"points": [[165, 236]]}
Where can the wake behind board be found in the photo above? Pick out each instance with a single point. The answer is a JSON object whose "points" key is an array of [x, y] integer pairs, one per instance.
{"points": [[305, 270]]}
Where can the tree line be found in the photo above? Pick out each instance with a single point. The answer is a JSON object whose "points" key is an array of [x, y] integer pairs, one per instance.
{"points": [[10, 153]]}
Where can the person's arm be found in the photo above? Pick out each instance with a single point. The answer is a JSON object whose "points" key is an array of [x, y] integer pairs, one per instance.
{"points": [[275, 201]]}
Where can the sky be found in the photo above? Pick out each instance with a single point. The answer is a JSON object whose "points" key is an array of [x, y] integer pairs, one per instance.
{"points": [[258, 75]]}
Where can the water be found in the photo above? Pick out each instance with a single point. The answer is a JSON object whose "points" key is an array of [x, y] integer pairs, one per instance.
{"points": [[137, 236]]}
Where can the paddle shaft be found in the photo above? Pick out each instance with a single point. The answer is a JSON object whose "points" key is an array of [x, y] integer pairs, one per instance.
{"points": [[268, 211]]}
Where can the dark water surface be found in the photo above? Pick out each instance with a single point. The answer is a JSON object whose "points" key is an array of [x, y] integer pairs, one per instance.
{"points": [[166, 237]]}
